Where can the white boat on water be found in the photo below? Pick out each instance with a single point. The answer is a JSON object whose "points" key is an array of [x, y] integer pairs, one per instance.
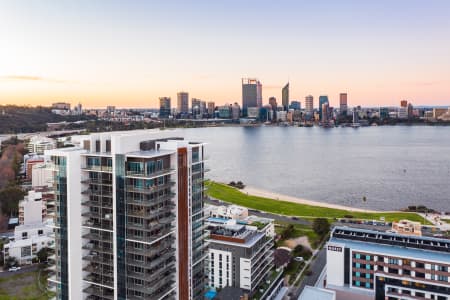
{"points": [[356, 125]]}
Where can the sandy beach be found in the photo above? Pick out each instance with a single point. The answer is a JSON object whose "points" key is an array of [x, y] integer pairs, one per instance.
{"points": [[276, 196]]}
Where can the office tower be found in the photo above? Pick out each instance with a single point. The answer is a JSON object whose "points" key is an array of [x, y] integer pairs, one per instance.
{"points": [[130, 217], [273, 103], [343, 104], [404, 103], [251, 94], [235, 111], [195, 107], [211, 108], [355, 116], [164, 107], [322, 100], [325, 112], [285, 97], [309, 104], [295, 105], [410, 110], [384, 265], [183, 102]]}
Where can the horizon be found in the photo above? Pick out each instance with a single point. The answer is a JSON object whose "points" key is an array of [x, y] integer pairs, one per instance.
{"points": [[130, 54]]}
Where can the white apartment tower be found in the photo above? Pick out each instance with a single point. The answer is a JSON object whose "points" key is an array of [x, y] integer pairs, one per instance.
{"points": [[129, 223]]}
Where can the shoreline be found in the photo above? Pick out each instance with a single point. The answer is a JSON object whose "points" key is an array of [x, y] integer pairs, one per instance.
{"points": [[281, 197]]}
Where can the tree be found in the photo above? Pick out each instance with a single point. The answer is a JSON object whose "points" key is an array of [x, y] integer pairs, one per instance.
{"points": [[9, 199], [11, 261], [287, 232], [42, 255], [321, 226]]}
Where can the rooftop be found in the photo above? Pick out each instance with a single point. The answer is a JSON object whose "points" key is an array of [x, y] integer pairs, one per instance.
{"points": [[314, 293]]}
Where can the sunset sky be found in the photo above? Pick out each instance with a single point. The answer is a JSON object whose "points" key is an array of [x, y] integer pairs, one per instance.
{"points": [[129, 53]]}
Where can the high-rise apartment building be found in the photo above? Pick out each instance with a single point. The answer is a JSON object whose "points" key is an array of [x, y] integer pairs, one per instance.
{"points": [[309, 105], [285, 97], [164, 107], [343, 104], [325, 112], [388, 265], [404, 103], [322, 100], [251, 94], [183, 102], [129, 223]]}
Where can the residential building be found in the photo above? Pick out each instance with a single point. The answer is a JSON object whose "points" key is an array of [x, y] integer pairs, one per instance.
{"points": [[285, 97], [42, 175], [309, 105], [28, 241], [437, 112], [388, 265], [183, 103], [32, 209], [164, 107], [130, 223], [240, 256], [384, 113], [343, 104], [325, 113], [407, 227], [30, 162], [404, 103], [38, 144], [402, 112], [322, 100], [251, 94]]}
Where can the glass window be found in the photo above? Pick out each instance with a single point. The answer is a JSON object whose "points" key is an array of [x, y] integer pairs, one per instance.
{"points": [[368, 285]]}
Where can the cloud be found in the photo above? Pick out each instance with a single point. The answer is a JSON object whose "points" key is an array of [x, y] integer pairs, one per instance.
{"points": [[30, 78]]}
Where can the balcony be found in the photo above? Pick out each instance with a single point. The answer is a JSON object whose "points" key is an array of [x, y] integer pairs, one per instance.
{"points": [[98, 168], [150, 190], [100, 292], [100, 259], [101, 182], [143, 174], [152, 288], [101, 193], [97, 248], [98, 237], [104, 202], [152, 202], [99, 270], [108, 281]]}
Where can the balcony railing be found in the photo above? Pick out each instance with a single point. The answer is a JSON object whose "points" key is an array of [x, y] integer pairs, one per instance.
{"points": [[149, 190], [103, 182], [97, 237], [98, 168], [143, 174], [152, 202], [100, 292]]}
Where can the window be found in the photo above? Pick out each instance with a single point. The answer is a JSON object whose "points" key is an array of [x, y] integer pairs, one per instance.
{"points": [[40, 232], [367, 257], [442, 278], [393, 261], [357, 274], [358, 265], [368, 285], [357, 256], [24, 235], [357, 283], [368, 267], [25, 251], [368, 275]]}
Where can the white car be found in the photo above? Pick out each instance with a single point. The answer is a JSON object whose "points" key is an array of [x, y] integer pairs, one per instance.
{"points": [[299, 259], [14, 269]]}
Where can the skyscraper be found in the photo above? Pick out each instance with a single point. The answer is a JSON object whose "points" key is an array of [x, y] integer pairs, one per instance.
{"points": [[404, 103], [129, 222], [183, 102], [309, 104], [324, 116], [343, 104], [322, 100], [164, 107], [251, 94], [211, 108], [285, 97], [274, 105]]}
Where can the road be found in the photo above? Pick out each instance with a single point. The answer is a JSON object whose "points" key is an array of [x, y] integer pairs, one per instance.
{"points": [[316, 266], [24, 269]]}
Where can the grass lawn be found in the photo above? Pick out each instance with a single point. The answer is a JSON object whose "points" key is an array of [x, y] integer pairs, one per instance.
{"points": [[299, 230], [24, 286], [228, 194]]}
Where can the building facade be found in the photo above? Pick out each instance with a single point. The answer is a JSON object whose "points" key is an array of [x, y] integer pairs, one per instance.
{"points": [[130, 217], [309, 105], [164, 107], [240, 256], [343, 104], [322, 100], [285, 97], [183, 102], [251, 94], [388, 265]]}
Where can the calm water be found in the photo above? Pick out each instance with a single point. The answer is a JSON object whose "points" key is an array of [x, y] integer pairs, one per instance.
{"points": [[393, 167]]}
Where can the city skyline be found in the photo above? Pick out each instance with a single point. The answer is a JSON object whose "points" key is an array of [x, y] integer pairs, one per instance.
{"points": [[120, 54]]}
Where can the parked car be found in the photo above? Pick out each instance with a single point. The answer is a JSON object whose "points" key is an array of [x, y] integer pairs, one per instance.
{"points": [[14, 269]]}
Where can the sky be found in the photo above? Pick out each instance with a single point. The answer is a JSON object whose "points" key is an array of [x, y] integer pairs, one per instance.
{"points": [[129, 53]]}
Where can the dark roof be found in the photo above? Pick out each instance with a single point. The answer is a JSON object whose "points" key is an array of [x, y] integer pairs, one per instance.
{"points": [[230, 293], [281, 257]]}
